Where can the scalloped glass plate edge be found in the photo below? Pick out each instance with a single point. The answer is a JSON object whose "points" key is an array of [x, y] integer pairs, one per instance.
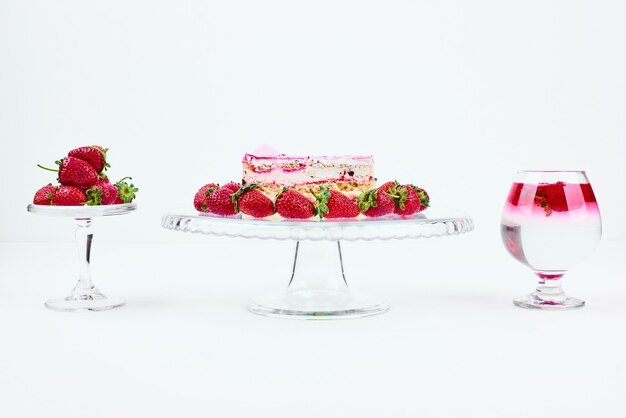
{"points": [[82, 211]]}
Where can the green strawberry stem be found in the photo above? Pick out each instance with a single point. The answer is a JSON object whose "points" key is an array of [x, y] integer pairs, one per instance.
{"points": [[126, 191], [367, 200], [321, 208], [94, 196], [208, 192], [46, 168], [399, 195]]}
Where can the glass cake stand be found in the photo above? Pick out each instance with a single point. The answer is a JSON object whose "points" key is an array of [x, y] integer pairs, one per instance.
{"points": [[84, 296], [318, 288]]}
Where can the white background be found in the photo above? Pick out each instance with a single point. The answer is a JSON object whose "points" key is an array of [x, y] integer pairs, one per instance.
{"points": [[454, 96]]}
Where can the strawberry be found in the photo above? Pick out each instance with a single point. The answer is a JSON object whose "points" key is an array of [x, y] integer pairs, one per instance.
{"points": [[405, 199], [552, 198], [291, 204], [423, 197], [253, 202], [220, 202], [110, 194], [69, 196], [74, 172], [332, 204], [95, 155], [199, 200], [102, 193], [234, 187], [375, 203], [126, 191], [45, 195], [102, 179]]}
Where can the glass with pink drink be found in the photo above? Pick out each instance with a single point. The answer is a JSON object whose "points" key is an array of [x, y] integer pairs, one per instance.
{"points": [[550, 221]]}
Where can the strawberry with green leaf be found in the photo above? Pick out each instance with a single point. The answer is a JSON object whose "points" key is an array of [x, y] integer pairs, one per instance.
{"points": [[45, 195], [220, 202], [292, 204], [332, 204], [251, 201], [404, 197], [102, 193], [74, 172], [422, 196], [375, 203], [95, 155], [202, 195]]}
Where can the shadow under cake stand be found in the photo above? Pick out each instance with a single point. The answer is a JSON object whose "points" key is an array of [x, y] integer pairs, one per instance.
{"points": [[84, 296], [318, 288]]}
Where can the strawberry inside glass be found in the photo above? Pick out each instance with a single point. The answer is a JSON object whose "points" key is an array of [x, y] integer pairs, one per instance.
{"points": [[550, 222]]}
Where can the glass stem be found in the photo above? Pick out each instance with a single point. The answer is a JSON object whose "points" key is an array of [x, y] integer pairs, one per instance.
{"points": [[318, 265], [550, 290], [84, 236]]}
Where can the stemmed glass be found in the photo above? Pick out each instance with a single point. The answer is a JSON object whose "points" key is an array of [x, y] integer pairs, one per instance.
{"points": [[549, 222]]}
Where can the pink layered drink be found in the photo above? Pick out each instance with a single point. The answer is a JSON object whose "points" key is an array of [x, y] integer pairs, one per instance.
{"points": [[549, 226]]}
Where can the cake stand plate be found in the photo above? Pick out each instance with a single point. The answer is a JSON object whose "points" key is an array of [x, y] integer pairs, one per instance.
{"points": [[318, 288], [85, 296]]}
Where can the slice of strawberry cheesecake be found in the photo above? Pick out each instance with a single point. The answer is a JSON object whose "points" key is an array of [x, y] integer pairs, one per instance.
{"points": [[271, 171]]}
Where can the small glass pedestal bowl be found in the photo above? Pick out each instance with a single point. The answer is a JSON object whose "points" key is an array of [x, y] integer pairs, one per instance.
{"points": [[85, 296]]}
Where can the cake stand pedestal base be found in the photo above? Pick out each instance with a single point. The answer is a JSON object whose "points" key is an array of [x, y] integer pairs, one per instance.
{"points": [[318, 288]]}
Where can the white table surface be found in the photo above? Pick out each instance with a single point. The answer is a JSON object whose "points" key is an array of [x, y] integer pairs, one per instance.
{"points": [[452, 345]]}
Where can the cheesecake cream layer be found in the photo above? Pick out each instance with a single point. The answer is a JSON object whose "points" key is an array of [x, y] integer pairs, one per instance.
{"points": [[289, 171]]}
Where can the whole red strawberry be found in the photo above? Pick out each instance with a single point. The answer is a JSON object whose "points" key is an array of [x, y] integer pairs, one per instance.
{"points": [[95, 155], [75, 172], [253, 202], [200, 199], [332, 204], [552, 198], [423, 197], [102, 193], [375, 203], [69, 196], [405, 198], [291, 204], [45, 195], [220, 202]]}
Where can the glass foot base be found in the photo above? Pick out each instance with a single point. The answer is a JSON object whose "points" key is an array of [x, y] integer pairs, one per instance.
{"points": [[97, 302], [533, 302], [318, 304]]}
